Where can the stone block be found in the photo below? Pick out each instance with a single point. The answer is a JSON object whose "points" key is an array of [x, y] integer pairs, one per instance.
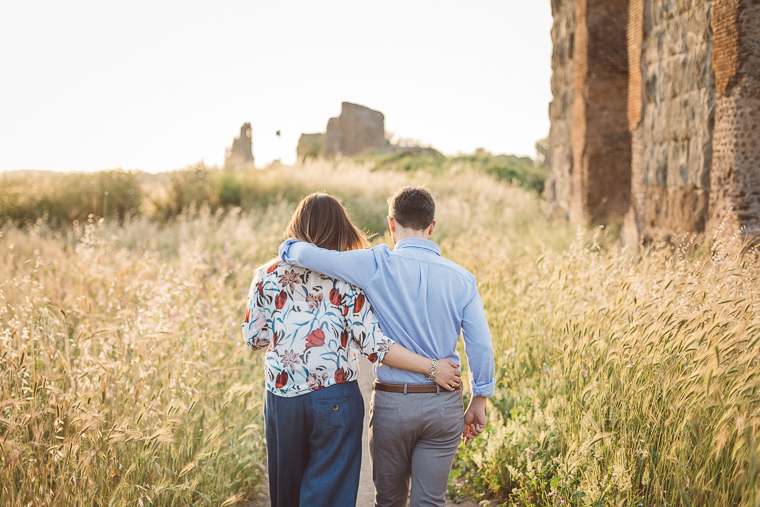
{"points": [[671, 164], [558, 189], [358, 129], [601, 142], [333, 140]]}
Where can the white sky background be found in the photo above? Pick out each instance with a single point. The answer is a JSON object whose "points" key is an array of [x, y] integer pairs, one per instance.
{"points": [[156, 85]]}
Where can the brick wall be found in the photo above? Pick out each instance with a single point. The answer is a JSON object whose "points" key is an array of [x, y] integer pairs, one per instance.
{"points": [[692, 76], [735, 176]]}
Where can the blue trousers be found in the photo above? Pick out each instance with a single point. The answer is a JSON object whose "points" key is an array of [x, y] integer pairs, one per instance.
{"points": [[314, 447]]}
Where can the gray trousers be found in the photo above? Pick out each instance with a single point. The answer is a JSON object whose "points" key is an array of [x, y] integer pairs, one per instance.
{"points": [[417, 436]]}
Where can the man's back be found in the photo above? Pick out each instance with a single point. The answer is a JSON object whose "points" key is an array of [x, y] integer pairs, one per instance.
{"points": [[421, 300]]}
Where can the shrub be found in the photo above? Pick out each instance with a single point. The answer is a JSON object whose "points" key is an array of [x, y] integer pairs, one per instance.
{"points": [[61, 198]]}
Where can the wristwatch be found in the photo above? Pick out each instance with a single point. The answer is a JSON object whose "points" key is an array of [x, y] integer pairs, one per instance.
{"points": [[433, 369]]}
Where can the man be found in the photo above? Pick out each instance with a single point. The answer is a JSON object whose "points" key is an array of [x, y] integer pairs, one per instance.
{"points": [[422, 301]]}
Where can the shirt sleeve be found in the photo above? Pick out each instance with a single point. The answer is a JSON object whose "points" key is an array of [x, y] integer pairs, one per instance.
{"points": [[356, 267], [257, 331], [478, 347], [366, 337]]}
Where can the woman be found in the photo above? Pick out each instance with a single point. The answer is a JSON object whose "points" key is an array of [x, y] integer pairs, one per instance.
{"points": [[313, 326]]}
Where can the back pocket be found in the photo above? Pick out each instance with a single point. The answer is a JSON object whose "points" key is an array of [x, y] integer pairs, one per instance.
{"points": [[337, 412]]}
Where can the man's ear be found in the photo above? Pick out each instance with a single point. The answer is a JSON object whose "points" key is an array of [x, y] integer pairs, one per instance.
{"points": [[391, 225], [432, 228]]}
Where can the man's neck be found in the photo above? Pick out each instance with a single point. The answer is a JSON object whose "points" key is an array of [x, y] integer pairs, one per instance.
{"points": [[399, 236], [421, 235], [400, 233]]}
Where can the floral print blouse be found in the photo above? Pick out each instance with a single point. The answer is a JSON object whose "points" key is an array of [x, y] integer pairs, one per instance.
{"points": [[312, 326]]}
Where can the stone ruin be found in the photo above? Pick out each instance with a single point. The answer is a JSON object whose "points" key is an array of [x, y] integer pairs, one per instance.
{"points": [[241, 152], [310, 146], [357, 130], [655, 116]]}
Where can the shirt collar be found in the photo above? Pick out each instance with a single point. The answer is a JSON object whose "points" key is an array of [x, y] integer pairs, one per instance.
{"points": [[424, 244]]}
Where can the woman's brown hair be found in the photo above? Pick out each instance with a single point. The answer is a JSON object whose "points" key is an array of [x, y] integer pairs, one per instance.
{"points": [[321, 219]]}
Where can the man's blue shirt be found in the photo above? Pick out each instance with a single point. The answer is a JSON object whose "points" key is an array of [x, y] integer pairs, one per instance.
{"points": [[422, 301]]}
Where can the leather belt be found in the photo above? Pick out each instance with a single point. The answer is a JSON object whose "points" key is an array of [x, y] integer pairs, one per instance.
{"points": [[410, 388]]}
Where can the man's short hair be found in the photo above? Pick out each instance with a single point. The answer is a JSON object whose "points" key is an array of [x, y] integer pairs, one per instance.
{"points": [[412, 207]]}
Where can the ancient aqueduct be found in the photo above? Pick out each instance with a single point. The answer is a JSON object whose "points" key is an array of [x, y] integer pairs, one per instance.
{"points": [[656, 114]]}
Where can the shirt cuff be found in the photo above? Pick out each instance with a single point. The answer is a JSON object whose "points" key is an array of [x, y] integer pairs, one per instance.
{"points": [[485, 390], [284, 250], [380, 354]]}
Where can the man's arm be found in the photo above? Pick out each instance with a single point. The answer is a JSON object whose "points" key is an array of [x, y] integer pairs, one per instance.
{"points": [[478, 347], [356, 267], [479, 350]]}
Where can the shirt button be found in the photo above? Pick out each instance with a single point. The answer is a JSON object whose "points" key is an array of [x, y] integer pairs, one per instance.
{"points": [[335, 407]]}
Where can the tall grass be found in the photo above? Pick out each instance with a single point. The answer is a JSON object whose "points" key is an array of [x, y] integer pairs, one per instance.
{"points": [[623, 379], [123, 378]]}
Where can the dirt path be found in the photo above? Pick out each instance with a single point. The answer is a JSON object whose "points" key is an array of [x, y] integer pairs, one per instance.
{"points": [[366, 497]]}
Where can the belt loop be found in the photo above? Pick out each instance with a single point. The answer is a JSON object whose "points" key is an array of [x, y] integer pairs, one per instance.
{"points": [[405, 384], [437, 389]]}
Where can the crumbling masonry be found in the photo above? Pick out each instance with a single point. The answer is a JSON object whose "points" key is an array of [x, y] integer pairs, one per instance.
{"points": [[240, 155], [655, 115]]}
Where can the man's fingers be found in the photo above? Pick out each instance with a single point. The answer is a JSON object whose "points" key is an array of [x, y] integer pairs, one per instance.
{"points": [[467, 434], [471, 431]]}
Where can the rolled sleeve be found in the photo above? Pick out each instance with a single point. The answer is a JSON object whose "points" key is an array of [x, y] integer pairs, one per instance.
{"points": [[366, 335], [256, 329]]}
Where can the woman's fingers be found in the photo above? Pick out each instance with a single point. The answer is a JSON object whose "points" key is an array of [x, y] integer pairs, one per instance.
{"points": [[448, 375]]}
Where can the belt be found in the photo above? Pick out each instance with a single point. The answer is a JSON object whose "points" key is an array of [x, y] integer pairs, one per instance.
{"points": [[409, 388]]}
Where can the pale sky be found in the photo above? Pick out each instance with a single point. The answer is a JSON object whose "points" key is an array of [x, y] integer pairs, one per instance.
{"points": [[157, 85]]}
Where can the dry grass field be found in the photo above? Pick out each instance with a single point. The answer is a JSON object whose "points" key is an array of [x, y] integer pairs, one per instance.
{"points": [[623, 379]]}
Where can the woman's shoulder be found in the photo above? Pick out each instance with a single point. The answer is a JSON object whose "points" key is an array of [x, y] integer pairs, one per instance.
{"points": [[276, 268]]}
